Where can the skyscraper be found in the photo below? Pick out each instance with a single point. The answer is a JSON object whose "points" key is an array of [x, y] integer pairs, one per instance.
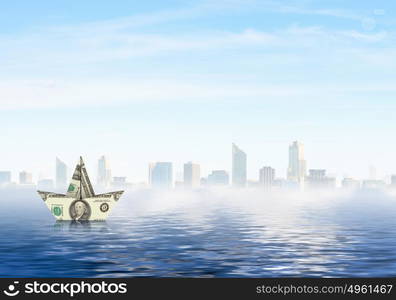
{"points": [[5, 177], [104, 172], [267, 177], [317, 174], [297, 164], [25, 178], [350, 183], [317, 179], [372, 173], [161, 174], [45, 184], [61, 174], [191, 175], [238, 167], [218, 177], [393, 180], [119, 182]]}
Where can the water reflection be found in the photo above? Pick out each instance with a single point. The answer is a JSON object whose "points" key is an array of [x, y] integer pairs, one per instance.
{"points": [[76, 226]]}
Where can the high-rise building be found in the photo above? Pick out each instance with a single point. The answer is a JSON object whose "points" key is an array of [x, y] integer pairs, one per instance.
{"points": [[104, 172], [350, 183], [373, 184], [372, 173], [297, 164], [161, 174], [5, 177], [281, 183], [61, 174], [191, 175], [218, 177], [45, 184], [253, 183], [120, 182], [317, 179], [317, 174], [119, 179], [238, 167], [393, 180], [267, 177], [25, 178], [179, 184]]}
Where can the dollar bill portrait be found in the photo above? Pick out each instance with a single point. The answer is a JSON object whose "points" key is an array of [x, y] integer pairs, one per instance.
{"points": [[80, 210]]}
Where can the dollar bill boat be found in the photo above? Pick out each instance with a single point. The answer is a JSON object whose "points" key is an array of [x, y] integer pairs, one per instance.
{"points": [[80, 202]]}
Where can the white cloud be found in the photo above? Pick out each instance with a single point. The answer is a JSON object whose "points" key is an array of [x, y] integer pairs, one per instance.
{"points": [[57, 94], [66, 51], [48, 49], [364, 37], [339, 13], [50, 94]]}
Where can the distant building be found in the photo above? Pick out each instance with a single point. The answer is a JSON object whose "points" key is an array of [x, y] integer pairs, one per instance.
{"points": [[61, 174], [104, 172], [25, 178], [297, 164], [191, 175], [350, 183], [218, 177], [253, 183], [372, 173], [317, 174], [119, 179], [179, 184], [239, 167], [279, 183], [283, 184], [317, 179], [120, 182], [373, 184], [161, 175], [5, 177], [45, 184], [393, 180], [267, 177]]}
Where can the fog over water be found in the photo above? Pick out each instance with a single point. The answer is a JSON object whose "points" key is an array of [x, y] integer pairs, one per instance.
{"points": [[205, 233]]}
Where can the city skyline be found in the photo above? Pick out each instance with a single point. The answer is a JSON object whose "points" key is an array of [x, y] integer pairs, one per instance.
{"points": [[163, 174], [190, 77]]}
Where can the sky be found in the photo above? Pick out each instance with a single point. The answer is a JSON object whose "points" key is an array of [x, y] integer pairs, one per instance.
{"points": [[145, 81]]}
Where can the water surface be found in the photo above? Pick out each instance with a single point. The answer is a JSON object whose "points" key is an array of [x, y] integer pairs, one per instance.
{"points": [[205, 234]]}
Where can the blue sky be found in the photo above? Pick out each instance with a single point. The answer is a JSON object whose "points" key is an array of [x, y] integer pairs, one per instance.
{"points": [[181, 80]]}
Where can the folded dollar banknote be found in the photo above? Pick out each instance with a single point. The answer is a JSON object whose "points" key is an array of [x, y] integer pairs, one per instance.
{"points": [[80, 202]]}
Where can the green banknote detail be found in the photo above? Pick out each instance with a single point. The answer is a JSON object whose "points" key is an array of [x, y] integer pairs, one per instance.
{"points": [[71, 188], [57, 210]]}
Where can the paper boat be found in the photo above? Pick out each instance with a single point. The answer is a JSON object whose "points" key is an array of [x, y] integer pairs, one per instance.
{"points": [[80, 202]]}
